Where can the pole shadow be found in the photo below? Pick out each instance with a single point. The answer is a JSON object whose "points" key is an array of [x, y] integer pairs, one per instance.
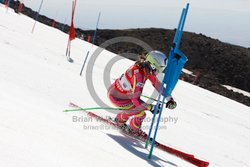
{"points": [[131, 145]]}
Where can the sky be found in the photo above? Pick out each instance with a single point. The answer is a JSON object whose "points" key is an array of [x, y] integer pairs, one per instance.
{"points": [[226, 20]]}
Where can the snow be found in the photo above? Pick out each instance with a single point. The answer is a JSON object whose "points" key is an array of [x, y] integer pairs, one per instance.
{"points": [[37, 83], [245, 93], [188, 72]]}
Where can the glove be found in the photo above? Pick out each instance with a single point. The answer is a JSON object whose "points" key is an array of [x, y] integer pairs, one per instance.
{"points": [[171, 104], [152, 108]]}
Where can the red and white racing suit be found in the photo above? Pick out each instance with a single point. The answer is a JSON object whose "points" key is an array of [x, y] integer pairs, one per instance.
{"points": [[125, 92]]}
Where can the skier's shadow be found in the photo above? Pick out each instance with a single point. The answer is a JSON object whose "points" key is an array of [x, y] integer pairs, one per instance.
{"points": [[131, 146]]}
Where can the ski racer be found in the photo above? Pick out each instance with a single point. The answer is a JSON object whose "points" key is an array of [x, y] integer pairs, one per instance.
{"points": [[125, 92]]}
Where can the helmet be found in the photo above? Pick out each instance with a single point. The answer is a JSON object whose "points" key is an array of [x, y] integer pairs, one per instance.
{"points": [[157, 60]]}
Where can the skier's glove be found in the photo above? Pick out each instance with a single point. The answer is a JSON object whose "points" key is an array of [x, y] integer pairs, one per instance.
{"points": [[152, 108], [171, 104]]}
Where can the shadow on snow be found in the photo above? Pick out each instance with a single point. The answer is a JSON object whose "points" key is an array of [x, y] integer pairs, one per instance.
{"points": [[131, 145]]}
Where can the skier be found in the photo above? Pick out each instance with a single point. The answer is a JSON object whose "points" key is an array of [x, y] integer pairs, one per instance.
{"points": [[125, 92]]}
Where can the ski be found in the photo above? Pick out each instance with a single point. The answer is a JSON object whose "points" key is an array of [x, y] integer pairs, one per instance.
{"points": [[125, 129], [185, 156]]}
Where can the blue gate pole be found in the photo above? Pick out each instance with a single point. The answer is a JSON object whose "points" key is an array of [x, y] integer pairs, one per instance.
{"points": [[37, 16], [176, 37], [93, 42], [167, 73], [97, 23], [160, 93], [153, 141], [171, 75], [84, 63], [182, 26], [153, 119], [9, 3]]}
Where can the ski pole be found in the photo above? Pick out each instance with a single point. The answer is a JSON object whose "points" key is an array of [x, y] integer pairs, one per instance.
{"points": [[152, 99], [92, 108]]}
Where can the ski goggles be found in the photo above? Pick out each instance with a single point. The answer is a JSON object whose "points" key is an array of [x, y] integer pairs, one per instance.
{"points": [[151, 67]]}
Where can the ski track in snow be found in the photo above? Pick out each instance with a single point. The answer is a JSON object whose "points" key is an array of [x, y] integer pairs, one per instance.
{"points": [[37, 83]]}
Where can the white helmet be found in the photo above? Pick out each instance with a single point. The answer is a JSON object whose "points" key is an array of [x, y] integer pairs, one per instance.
{"points": [[157, 60]]}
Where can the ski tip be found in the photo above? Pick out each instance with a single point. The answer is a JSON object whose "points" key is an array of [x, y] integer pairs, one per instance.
{"points": [[72, 105]]}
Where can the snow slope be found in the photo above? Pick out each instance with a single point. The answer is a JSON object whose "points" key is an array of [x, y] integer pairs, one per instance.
{"points": [[37, 83]]}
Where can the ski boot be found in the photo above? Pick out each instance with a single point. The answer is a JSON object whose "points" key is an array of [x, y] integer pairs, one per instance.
{"points": [[121, 125]]}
